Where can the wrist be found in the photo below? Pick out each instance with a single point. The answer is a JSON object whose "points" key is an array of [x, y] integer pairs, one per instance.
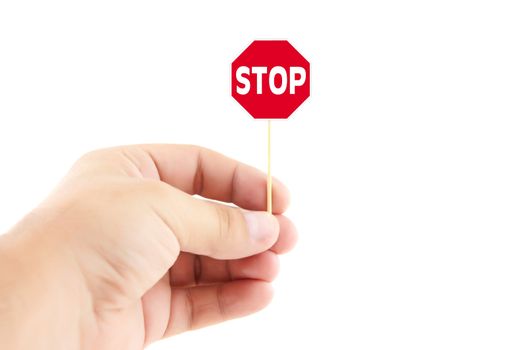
{"points": [[41, 293]]}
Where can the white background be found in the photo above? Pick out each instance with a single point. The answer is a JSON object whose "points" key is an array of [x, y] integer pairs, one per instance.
{"points": [[406, 165]]}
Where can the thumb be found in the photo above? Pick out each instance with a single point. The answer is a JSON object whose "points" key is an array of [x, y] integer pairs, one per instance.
{"points": [[216, 230]]}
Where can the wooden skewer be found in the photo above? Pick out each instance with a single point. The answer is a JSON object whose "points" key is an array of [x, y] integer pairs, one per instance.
{"points": [[269, 175]]}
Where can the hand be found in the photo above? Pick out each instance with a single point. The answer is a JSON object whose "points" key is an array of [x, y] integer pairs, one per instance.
{"points": [[121, 254]]}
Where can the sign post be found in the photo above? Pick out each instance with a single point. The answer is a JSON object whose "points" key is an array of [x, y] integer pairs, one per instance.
{"points": [[270, 79]]}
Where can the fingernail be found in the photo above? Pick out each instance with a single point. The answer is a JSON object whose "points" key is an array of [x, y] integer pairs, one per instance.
{"points": [[261, 225]]}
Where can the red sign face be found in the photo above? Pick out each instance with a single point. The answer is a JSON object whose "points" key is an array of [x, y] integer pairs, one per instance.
{"points": [[270, 79]]}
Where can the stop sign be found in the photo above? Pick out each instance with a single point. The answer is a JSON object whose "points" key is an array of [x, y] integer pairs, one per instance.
{"points": [[270, 79]]}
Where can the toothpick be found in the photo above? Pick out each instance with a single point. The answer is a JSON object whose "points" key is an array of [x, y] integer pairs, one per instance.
{"points": [[269, 175]]}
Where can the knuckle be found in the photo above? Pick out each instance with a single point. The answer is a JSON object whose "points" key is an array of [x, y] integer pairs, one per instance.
{"points": [[103, 154], [196, 148], [228, 226], [94, 154], [225, 222], [95, 158]]}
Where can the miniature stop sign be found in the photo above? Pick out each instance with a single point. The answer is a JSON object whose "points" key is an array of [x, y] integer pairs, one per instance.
{"points": [[270, 79]]}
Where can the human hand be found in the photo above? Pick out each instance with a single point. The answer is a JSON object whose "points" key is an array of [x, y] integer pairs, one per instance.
{"points": [[121, 254]]}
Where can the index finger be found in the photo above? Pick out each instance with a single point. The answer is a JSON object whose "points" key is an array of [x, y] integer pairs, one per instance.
{"points": [[197, 170]]}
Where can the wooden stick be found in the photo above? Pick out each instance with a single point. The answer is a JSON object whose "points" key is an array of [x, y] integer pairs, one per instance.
{"points": [[269, 175]]}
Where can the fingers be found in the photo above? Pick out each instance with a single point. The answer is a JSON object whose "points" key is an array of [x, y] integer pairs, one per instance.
{"points": [[198, 307], [209, 228], [197, 170], [288, 236], [192, 270]]}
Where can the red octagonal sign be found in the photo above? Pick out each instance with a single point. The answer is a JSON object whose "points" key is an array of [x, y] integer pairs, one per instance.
{"points": [[270, 79]]}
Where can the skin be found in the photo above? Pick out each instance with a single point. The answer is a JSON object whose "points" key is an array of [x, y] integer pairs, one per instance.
{"points": [[122, 254]]}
